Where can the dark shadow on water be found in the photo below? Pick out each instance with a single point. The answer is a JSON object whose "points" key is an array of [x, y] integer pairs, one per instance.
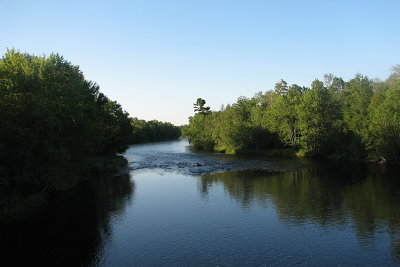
{"points": [[74, 227]]}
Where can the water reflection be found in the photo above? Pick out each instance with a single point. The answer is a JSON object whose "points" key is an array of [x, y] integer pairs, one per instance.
{"points": [[328, 194], [73, 229], [316, 213]]}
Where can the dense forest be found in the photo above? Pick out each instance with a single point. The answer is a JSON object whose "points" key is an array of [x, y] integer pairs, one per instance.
{"points": [[356, 120], [57, 128]]}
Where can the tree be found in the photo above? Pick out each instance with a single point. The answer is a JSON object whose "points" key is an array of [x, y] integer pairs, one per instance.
{"points": [[356, 102], [316, 117], [281, 87], [199, 132], [199, 107], [283, 113]]}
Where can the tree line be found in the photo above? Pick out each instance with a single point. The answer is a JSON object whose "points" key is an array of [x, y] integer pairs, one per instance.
{"points": [[152, 131], [357, 120], [56, 127]]}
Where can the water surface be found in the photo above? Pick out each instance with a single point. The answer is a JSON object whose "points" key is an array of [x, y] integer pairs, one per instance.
{"points": [[175, 207]]}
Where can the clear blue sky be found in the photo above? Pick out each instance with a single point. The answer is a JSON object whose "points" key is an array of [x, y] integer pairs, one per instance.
{"points": [[157, 57]]}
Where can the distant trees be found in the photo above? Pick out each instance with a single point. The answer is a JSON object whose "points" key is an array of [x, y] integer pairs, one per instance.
{"points": [[358, 119], [152, 131]]}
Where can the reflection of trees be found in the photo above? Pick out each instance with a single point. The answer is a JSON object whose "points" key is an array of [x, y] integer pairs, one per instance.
{"points": [[374, 205], [74, 227], [243, 186], [324, 193]]}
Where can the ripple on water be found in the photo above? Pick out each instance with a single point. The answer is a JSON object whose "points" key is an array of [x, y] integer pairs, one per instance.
{"points": [[189, 163]]}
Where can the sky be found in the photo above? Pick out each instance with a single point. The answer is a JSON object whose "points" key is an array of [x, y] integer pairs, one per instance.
{"points": [[157, 57]]}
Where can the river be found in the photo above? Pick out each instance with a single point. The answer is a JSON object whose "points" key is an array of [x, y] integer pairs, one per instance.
{"points": [[171, 206]]}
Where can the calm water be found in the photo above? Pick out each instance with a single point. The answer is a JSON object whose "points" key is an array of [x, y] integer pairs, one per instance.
{"points": [[176, 207]]}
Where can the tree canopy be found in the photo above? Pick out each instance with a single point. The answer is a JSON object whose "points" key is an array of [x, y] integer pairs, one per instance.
{"points": [[358, 120], [54, 123], [199, 107]]}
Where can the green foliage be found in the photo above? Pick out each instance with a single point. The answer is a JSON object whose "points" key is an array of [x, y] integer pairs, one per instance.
{"points": [[357, 120], [152, 131], [200, 108], [283, 115], [235, 128], [384, 142], [356, 102], [316, 116], [199, 132], [54, 123]]}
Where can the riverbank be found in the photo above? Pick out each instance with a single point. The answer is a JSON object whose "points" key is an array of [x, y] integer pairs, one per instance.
{"points": [[299, 153], [283, 152]]}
